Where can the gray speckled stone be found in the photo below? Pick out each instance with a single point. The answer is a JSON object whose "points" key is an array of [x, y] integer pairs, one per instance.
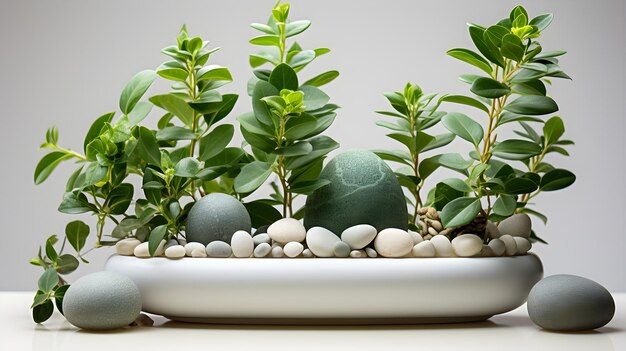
{"points": [[363, 190], [216, 217], [102, 301], [570, 303], [218, 249]]}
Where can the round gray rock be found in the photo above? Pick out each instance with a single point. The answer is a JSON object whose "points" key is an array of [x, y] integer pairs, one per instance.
{"points": [[102, 301], [362, 190], [566, 302], [215, 217]]}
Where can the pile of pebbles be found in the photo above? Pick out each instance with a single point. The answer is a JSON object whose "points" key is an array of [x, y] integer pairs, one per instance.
{"points": [[289, 238]]}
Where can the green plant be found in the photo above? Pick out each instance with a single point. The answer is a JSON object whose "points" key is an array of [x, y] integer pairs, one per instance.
{"points": [[283, 130], [513, 91], [186, 157]]}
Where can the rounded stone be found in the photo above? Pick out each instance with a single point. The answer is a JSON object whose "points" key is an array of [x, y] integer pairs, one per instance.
{"points": [[261, 238], [262, 250], [443, 247], [142, 250], [216, 217], [358, 236], [362, 190], [307, 253], [417, 238], [189, 247], [492, 230], [286, 230], [242, 244], [424, 249], [102, 301], [293, 249], [516, 225], [371, 253], [218, 249], [277, 251], [393, 242], [126, 247], [199, 253], [321, 241], [467, 245], [175, 251], [497, 246], [341, 249], [522, 244], [510, 246], [566, 302], [358, 253]]}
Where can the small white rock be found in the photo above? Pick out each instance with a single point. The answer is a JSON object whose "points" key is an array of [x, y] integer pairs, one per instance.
{"points": [[497, 246], [467, 245], [437, 225], [424, 249], [341, 249], [417, 238], [277, 251], [242, 244], [262, 250], [261, 238], [371, 252], [293, 249], [443, 247], [523, 245], [358, 253], [492, 230], [321, 241], [127, 246], [276, 244], [486, 251], [218, 249], [175, 251], [392, 242], [307, 253], [199, 252], [359, 236], [509, 244], [432, 231], [286, 230], [516, 225], [189, 247], [142, 250]]}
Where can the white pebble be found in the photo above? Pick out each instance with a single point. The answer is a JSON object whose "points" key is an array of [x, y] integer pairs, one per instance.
{"points": [[277, 251], [218, 249], [392, 242], [486, 251], [417, 238], [359, 236], [262, 250], [497, 246], [509, 244], [467, 245], [432, 231], [261, 238], [286, 230], [516, 225], [189, 247], [242, 244], [199, 252], [293, 249], [443, 247], [321, 241], [424, 249], [358, 253], [523, 245], [126, 246], [492, 230], [175, 251], [307, 253], [142, 250], [371, 252]]}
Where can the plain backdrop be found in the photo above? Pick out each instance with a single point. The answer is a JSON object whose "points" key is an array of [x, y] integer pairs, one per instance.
{"points": [[64, 63]]}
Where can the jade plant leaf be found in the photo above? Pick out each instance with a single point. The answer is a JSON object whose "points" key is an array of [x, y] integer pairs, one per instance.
{"points": [[460, 211]]}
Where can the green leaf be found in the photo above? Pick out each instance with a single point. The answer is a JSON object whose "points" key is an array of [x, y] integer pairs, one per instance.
{"points": [[75, 203], [147, 147], [214, 72], [42, 313], [322, 145], [96, 128], [532, 212], [262, 213], [532, 105], [139, 113], [457, 184], [508, 117], [50, 251], [553, 130], [66, 264], [48, 280], [322, 79], [59, 294], [464, 127], [156, 236], [542, 21], [309, 186], [284, 77], [40, 298], [188, 167], [47, 164], [519, 186], [314, 98], [439, 141], [266, 40], [486, 47], [460, 211], [252, 176], [174, 133], [134, 90], [465, 100], [452, 161], [472, 58], [120, 198], [296, 27], [263, 28], [215, 142], [261, 110], [174, 105], [300, 148], [223, 109], [301, 59], [178, 74], [515, 149], [77, 233], [557, 179], [489, 88], [512, 47]]}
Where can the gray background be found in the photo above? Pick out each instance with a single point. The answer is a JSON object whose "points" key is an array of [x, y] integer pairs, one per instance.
{"points": [[65, 62]]}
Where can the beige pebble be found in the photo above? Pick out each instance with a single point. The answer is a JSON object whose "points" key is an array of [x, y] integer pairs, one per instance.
{"points": [[175, 251], [358, 253], [371, 252], [523, 245], [497, 247], [510, 245], [307, 253], [277, 252], [126, 247], [392, 242], [424, 249], [417, 238], [142, 250], [432, 231], [443, 246], [199, 253], [437, 225], [467, 245], [190, 247]]}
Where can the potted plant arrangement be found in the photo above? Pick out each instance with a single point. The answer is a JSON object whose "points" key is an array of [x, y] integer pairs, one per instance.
{"points": [[200, 250]]}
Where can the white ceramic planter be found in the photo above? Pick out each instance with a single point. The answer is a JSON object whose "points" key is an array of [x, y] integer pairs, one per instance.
{"points": [[331, 290]]}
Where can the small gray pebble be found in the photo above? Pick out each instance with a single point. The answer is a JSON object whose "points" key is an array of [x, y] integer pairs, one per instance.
{"points": [[218, 249], [341, 249], [277, 251], [261, 238], [262, 250]]}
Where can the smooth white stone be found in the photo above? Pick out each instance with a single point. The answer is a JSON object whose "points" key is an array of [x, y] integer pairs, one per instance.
{"points": [[358, 253], [492, 230], [126, 247], [359, 236], [436, 225], [321, 241], [497, 246], [341, 249], [262, 250], [190, 247], [286, 230], [467, 245], [393, 242], [417, 238], [242, 244], [218, 249], [424, 249], [443, 247], [516, 225], [276, 244], [277, 251], [509, 244], [261, 238], [523, 245], [175, 251], [199, 252], [142, 250], [307, 253], [486, 251], [293, 249], [371, 252]]}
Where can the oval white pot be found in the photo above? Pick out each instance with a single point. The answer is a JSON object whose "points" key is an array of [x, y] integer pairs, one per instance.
{"points": [[331, 290]]}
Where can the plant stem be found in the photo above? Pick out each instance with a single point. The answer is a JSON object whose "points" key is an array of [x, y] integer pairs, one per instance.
{"points": [[68, 152], [283, 41]]}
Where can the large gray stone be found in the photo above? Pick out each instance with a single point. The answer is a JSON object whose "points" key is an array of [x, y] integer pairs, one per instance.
{"points": [[569, 303], [363, 190], [102, 301], [215, 217]]}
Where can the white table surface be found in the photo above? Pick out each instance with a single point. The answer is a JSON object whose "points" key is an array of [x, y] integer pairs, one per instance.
{"points": [[510, 331]]}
